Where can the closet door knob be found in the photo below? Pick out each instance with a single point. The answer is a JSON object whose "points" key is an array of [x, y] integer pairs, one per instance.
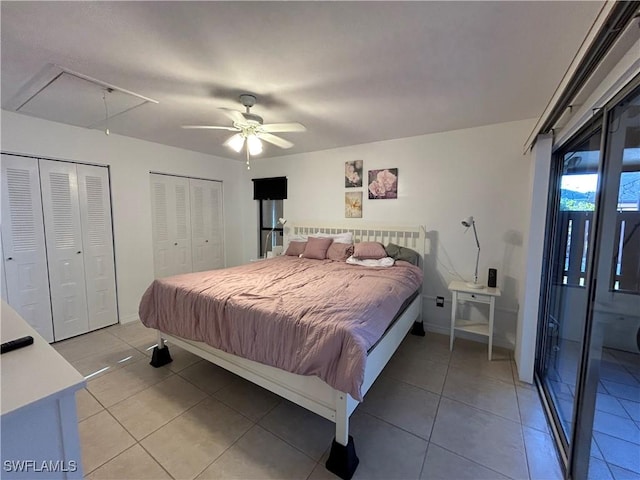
{"points": [[176, 244], [79, 251], [9, 258], [206, 241]]}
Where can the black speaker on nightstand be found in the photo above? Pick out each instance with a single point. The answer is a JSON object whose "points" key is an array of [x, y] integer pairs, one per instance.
{"points": [[492, 281]]}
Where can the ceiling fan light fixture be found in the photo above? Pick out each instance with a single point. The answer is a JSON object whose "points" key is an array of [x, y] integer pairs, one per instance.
{"points": [[251, 127], [254, 144], [236, 142]]}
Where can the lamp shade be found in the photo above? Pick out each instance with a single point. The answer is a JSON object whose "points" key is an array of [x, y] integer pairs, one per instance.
{"points": [[235, 142], [467, 222], [254, 144]]}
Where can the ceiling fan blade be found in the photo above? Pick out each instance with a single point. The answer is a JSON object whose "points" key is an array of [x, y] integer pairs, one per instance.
{"points": [[284, 127], [277, 141], [210, 127], [234, 115]]}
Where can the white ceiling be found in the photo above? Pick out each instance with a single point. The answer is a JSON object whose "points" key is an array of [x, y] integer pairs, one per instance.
{"points": [[351, 72]]}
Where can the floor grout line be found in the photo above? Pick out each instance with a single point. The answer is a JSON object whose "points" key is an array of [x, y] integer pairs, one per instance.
{"points": [[119, 453], [156, 460], [435, 418]]}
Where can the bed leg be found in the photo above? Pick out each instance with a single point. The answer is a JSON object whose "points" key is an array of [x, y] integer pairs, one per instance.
{"points": [[418, 329], [418, 325], [161, 355], [343, 460]]}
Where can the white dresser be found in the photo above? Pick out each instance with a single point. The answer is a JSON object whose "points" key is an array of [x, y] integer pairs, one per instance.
{"points": [[39, 422]]}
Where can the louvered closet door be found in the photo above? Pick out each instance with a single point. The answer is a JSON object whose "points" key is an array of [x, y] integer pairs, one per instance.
{"points": [[182, 258], [206, 224], [3, 278], [64, 248], [171, 225], [97, 240], [25, 259], [217, 225], [162, 243]]}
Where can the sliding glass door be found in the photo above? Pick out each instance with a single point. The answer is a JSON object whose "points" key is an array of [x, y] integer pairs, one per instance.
{"points": [[608, 417], [588, 362], [569, 234]]}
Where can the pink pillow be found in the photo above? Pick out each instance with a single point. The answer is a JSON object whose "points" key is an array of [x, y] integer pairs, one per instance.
{"points": [[339, 252], [369, 250], [317, 248], [295, 249]]}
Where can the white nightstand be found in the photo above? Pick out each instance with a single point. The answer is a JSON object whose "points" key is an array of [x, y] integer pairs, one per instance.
{"points": [[463, 293]]}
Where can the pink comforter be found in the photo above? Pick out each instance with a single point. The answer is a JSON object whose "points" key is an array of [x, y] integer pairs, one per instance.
{"points": [[310, 317]]}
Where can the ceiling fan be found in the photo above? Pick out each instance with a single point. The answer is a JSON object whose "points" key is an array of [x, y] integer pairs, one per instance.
{"points": [[252, 129]]}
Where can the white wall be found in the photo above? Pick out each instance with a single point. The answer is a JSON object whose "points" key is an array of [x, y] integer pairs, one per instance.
{"points": [[130, 162], [443, 178]]}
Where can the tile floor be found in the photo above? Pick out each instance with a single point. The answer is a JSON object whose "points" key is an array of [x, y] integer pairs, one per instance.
{"points": [[615, 447], [432, 414]]}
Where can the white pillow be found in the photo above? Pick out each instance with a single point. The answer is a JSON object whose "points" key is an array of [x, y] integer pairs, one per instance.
{"points": [[297, 238], [381, 262], [346, 237]]}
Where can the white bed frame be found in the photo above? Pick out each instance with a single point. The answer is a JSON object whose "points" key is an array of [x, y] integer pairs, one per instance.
{"points": [[311, 392]]}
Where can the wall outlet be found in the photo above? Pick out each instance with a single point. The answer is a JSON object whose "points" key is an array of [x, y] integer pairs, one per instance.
{"points": [[439, 301]]}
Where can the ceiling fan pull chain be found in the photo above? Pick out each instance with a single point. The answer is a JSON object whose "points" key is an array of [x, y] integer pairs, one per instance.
{"points": [[247, 150]]}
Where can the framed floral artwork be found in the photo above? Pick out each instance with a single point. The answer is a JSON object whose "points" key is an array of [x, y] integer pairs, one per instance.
{"points": [[353, 205], [353, 174], [383, 184]]}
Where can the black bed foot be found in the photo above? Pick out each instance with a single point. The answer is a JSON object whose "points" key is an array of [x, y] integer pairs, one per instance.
{"points": [[418, 329], [343, 461], [160, 357]]}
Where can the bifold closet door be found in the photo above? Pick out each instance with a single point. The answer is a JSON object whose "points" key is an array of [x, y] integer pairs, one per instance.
{"points": [[3, 278], [206, 224], [63, 232], [97, 241], [171, 225], [23, 246]]}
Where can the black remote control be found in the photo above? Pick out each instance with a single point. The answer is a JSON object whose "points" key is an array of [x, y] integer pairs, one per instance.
{"points": [[16, 344]]}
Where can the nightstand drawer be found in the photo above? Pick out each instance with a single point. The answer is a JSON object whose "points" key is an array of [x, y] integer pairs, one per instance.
{"points": [[473, 297]]}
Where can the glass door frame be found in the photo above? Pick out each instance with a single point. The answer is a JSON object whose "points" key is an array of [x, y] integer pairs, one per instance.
{"points": [[575, 451], [550, 248], [586, 387]]}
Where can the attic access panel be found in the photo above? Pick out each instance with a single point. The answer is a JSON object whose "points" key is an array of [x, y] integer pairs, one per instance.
{"points": [[67, 97]]}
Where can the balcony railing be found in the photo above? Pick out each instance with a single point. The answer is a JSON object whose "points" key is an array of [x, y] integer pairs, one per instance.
{"points": [[575, 228]]}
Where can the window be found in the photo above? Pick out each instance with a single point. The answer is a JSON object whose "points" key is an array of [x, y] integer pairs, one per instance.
{"points": [[578, 187], [625, 275], [270, 212], [270, 192]]}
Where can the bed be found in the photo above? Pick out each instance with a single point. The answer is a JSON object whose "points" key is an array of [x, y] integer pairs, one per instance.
{"points": [[272, 323]]}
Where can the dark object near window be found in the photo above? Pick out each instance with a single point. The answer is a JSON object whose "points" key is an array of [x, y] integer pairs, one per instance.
{"points": [[274, 188]]}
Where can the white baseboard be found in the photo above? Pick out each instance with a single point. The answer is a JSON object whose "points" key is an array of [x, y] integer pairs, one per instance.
{"points": [[498, 341], [129, 319]]}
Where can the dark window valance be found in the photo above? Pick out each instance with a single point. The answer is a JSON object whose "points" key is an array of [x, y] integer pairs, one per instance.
{"points": [[274, 188]]}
